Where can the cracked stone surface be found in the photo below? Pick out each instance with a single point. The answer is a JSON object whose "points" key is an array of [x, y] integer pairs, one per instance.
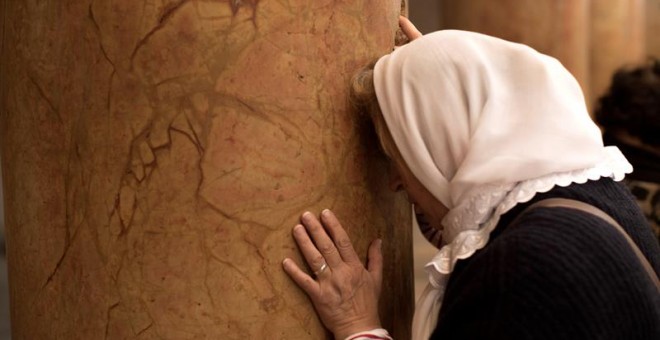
{"points": [[156, 155]]}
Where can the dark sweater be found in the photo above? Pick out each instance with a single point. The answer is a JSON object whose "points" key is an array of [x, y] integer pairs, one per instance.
{"points": [[558, 274]]}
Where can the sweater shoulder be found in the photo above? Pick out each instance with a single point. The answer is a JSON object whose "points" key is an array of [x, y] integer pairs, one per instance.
{"points": [[555, 270], [570, 244]]}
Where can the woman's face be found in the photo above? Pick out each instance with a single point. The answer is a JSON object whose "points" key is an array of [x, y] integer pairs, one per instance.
{"points": [[431, 210], [428, 209]]}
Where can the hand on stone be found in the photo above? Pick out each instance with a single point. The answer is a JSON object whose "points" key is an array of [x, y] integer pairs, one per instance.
{"points": [[408, 28], [345, 293]]}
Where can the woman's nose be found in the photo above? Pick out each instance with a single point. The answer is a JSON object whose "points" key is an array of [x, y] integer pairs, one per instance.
{"points": [[395, 181]]}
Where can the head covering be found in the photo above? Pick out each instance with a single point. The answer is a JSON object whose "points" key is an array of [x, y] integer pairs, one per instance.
{"points": [[484, 124]]}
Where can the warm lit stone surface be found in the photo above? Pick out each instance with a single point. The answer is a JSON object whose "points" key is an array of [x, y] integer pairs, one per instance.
{"points": [[156, 155], [591, 38], [559, 28], [652, 28], [617, 39]]}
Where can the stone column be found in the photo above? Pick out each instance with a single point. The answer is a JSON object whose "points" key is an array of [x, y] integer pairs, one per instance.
{"points": [[559, 28], [652, 26], [617, 39], [156, 155]]}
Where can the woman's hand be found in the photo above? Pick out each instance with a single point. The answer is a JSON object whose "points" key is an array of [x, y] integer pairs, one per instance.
{"points": [[345, 293], [408, 28]]}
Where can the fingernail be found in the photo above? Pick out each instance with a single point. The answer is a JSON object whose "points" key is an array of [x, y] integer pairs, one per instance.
{"points": [[326, 212], [379, 244], [285, 262], [307, 215]]}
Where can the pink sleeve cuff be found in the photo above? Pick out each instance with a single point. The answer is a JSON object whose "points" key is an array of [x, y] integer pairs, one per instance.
{"points": [[378, 333]]}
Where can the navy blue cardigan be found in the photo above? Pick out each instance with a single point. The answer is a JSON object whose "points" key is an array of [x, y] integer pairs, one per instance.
{"points": [[558, 273]]}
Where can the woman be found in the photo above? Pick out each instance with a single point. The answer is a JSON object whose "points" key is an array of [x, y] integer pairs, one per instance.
{"points": [[478, 129]]}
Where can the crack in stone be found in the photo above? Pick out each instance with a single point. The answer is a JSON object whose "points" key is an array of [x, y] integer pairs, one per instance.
{"points": [[97, 29], [198, 142], [109, 95], [127, 206], [169, 10], [274, 119], [43, 95], [230, 217], [69, 238], [144, 330], [107, 320], [190, 134], [126, 202], [189, 137], [206, 279], [168, 13], [67, 245]]}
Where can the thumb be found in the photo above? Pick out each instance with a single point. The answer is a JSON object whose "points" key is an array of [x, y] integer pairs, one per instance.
{"points": [[375, 263]]}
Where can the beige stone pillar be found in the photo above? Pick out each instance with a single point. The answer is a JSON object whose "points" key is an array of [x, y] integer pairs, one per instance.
{"points": [[652, 27], [617, 39], [559, 28], [156, 155]]}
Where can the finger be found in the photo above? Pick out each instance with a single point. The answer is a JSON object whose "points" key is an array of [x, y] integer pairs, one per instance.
{"points": [[313, 257], [321, 239], [303, 280], [375, 263], [408, 28], [338, 234]]}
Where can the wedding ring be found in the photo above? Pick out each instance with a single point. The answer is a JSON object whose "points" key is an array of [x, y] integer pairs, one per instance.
{"points": [[324, 266]]}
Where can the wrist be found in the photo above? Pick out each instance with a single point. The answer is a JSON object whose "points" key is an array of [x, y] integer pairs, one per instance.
{"points": [[376, 333], [343, 333]]}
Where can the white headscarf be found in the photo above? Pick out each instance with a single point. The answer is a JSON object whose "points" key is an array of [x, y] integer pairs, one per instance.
{"points": [[484, 124]]}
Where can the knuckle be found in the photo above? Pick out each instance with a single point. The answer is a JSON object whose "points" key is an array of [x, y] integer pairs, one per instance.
{"points": [[318, 260], [344, 243], [327, 249], [308, 285]]}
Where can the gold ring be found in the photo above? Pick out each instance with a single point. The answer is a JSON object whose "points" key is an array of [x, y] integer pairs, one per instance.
{"points": [[324, 266]]}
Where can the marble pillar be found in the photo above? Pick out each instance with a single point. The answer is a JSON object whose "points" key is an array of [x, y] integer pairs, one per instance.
{"points": [[617, 39], [652, 27], [559, 28], [156, 155]]}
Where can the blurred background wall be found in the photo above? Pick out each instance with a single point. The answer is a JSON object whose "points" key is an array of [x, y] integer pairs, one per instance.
{"points": [[592, 38]]}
